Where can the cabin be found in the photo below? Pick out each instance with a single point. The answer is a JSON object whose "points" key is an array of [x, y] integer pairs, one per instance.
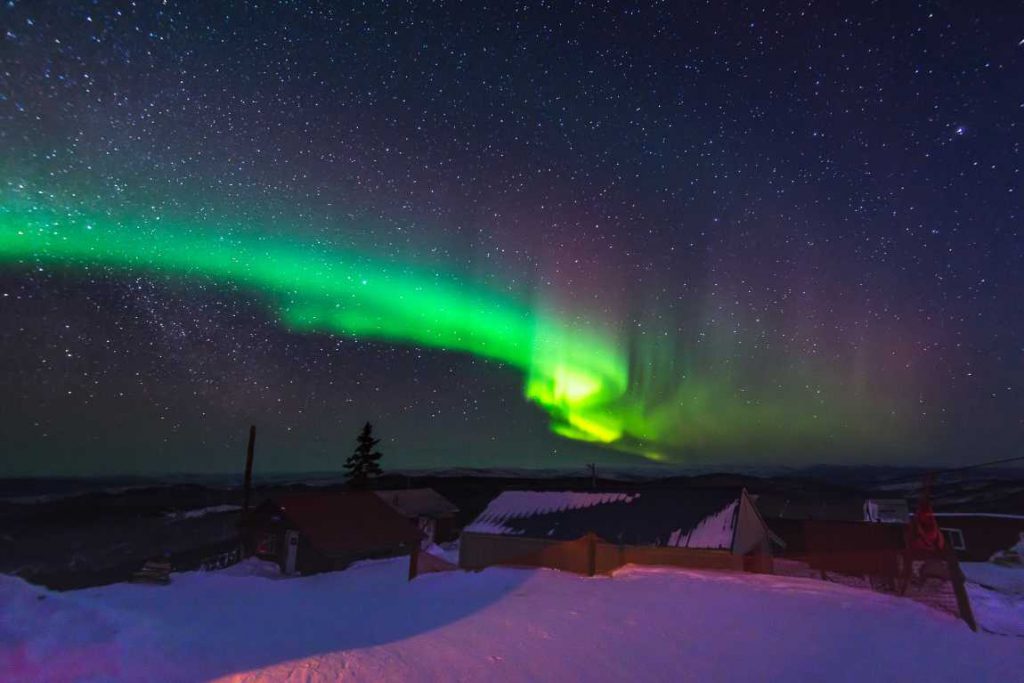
{"points": [[591, 532], [308, 533], [977, 536], [427, 510], [787, 515]]}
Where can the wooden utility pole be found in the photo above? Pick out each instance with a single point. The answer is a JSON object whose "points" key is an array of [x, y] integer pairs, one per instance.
{"points": [[248, 468], [593, 475]]}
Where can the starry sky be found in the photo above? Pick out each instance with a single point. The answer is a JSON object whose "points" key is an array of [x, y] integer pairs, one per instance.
{"points": [[509, 234]]}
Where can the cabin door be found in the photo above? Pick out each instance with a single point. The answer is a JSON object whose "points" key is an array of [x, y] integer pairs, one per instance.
{"points": [[291, 550]]}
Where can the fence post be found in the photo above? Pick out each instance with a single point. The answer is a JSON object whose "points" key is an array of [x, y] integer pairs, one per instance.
{"points": [[956, 575], [414, 558]]}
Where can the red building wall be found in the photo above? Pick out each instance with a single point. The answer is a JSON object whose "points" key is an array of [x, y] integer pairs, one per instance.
{"points": [[982, 535]]}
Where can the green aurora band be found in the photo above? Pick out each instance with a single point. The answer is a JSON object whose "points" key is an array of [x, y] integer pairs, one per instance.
{"points": [[596, 386], [572, 370]]}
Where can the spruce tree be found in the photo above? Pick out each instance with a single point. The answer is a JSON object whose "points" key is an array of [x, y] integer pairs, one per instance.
{"points": [[364, 461]]}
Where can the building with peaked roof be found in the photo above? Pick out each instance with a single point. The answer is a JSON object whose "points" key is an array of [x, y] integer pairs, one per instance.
{"points": [[319, 531], [427, 510], [788, 514], [590, 532]]}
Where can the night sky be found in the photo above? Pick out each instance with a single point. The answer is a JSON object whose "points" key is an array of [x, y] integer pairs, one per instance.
{"points": [[516, 234]]}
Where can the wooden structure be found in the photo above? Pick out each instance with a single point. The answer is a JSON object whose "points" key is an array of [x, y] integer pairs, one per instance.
{"points": [[589, 533], [785, 514], [314, 532], [855, 548], [885, 558], [977, 536], [427, 510]]}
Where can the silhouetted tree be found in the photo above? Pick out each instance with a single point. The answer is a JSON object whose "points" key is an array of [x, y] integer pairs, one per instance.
{"points": [[364, 461]]}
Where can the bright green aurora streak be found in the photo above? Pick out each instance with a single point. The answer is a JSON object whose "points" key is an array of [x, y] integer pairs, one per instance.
{"points": [[637, 396], [574, 372]]}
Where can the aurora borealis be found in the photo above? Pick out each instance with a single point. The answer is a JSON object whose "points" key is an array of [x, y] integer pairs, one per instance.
{"points": [[508, 236], [577, 372], [573, 372]]}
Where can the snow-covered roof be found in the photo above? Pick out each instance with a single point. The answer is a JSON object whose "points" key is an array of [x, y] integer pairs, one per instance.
{"points": [[714, 531], [699, 518], [521, 504]]}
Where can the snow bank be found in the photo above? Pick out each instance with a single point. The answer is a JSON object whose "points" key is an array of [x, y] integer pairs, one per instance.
{"points": [[253, 567], [1005, 579], [997, 596], [47, 636], [370, 624], [997, 612]]}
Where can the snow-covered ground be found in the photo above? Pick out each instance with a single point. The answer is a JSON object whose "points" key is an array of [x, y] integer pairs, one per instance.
{"points": [[997, 596], [370, 624], [449, 552], [1006, 579]]}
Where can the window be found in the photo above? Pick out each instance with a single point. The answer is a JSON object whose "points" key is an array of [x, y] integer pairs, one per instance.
{"points": [[955, 538]]}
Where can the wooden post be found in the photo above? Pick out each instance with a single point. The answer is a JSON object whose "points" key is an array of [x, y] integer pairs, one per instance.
{"points": [[248, 468], [414, 558], [956, 575]]}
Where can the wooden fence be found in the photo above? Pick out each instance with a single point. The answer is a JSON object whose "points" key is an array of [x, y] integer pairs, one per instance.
{"points": [[875, 557], [592, 555], [424, 563]]}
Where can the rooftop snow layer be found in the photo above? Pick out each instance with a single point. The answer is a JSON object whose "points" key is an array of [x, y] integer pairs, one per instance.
{"points": [[698, 518], [521, 504], [714, 531]]}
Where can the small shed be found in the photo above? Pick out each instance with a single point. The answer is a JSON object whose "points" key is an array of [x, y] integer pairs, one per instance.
{"points": [[427, 510], [590, 532], [324, 531]]}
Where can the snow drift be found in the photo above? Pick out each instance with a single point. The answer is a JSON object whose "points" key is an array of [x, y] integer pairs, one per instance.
{"points": [[369, 624]]}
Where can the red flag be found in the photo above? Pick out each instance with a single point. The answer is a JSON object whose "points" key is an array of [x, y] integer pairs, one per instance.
{"points": [[924, 530]]}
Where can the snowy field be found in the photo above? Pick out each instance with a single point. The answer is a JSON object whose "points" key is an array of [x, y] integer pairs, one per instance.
{"points": [[1006, 579], [370, 624], [997, 596]]}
